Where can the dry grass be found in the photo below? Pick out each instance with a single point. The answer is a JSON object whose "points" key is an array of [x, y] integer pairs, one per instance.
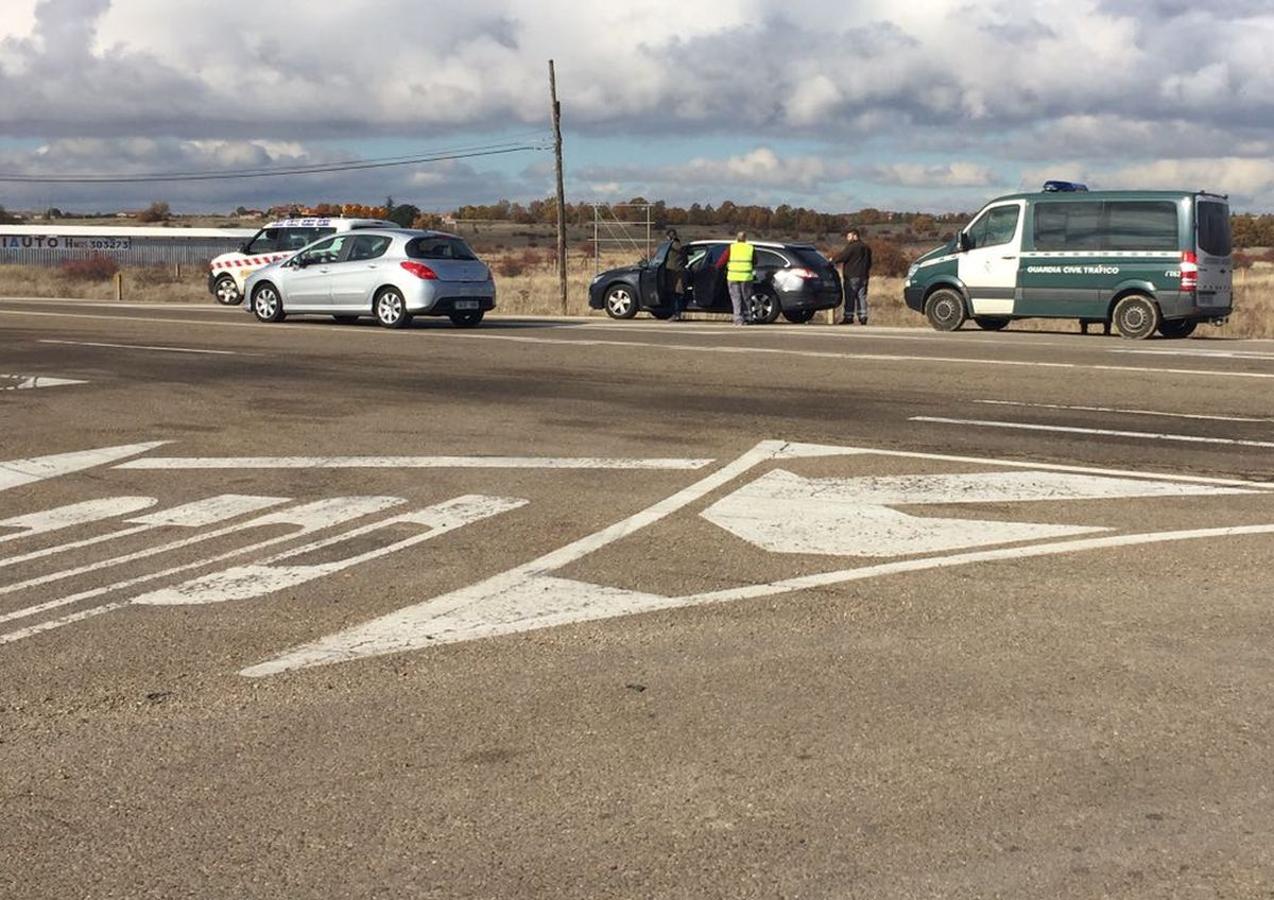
{"points": [[534, 292]]}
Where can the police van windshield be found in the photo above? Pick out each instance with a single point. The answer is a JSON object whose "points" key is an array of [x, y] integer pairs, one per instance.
{"points": [[1214, 228]]}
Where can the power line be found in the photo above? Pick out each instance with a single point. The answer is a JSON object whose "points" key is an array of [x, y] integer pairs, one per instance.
{"points": [[470, 152]]}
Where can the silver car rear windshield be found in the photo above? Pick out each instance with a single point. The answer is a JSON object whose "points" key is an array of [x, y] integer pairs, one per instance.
{"points": [[438, 248]]}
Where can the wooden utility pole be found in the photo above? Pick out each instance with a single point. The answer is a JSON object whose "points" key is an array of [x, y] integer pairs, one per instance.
{"points": [[561, 190]]}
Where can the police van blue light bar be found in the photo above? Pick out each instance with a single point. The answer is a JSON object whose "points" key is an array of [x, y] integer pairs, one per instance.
{"points": [[1064, 186]]}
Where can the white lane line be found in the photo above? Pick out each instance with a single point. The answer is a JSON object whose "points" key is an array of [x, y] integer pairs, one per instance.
{"points": [[311, 517], [267, 576], [1200, 353], [1105, 432], [31, 382], [143, 347], [85, 513], [379, 334], [192, 515], [413, 462], [17, 472], [1127, 412]]}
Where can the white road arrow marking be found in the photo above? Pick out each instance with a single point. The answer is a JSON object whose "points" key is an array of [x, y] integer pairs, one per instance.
{"points": [[785, 513], [86, 513], [530, 596], [310, 517], [18, 472], [198, 514], [270, 575], [30, 382]]}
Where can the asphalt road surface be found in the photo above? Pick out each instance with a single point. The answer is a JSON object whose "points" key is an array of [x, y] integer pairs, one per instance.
{"points": [[589, 609]]}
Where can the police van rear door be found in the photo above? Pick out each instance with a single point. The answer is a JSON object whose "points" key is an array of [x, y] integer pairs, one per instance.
{"points": [[1212, 251]]}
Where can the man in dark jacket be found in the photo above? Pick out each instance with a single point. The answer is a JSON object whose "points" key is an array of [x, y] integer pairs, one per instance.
{"points": [[675, 266], [855, 262]]}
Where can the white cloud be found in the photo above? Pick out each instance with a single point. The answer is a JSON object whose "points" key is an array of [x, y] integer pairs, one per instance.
{"points": [[957, 174]]}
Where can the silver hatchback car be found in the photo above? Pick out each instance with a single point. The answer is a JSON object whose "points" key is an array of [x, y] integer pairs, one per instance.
{"points": [[390, 274]]}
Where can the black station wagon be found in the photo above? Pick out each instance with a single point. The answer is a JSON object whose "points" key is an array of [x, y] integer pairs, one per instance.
{"points": [[792, 280]]}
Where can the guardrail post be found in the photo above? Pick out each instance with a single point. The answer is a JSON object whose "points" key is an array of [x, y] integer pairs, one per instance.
{"points": [[119, 285]]}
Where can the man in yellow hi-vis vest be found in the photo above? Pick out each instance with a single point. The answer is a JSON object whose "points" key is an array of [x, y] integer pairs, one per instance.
{"points": [[737, 261]]}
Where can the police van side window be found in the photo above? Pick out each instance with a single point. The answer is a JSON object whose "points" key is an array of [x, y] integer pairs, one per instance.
{"points": [[997, 226], [1141, 225], [1068, 226]]}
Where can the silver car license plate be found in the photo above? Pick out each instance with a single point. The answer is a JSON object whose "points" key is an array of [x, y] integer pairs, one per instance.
{"points": [[467, 304]]}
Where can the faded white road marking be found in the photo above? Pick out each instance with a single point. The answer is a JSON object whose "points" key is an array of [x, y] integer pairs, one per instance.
{"points": [[30, 382], [786, 513], [145, 347], [1105, 432], [191, 515], [18, 472], [411, 462], [310, 518], [86, 513], [530, 596], [1125, 412], [347, 334], [258, 579]]}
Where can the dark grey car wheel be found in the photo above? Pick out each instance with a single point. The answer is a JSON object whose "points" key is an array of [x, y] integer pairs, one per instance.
{"points": [[621, 302], [267, 305], [945, 310], [391, 309], [765, 307], [226, 291], [1136, 316]]}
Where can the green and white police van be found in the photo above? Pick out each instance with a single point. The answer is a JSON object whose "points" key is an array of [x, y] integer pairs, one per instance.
{"points": [[1144, 261]]}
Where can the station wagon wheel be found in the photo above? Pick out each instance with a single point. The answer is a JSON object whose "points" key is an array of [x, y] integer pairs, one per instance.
{"points": [[1136, 316], [226, 291], [1178, 328], [945, 310], [620, 302], [267, 305], [765, 307], [992, 323], [798, 316], [391, 309]]}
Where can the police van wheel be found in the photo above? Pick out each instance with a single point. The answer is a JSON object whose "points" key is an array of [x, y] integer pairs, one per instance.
{"points": [[798, 316], [267, 305], [226, 291], [620, 302], [1136, 316], [1178, 328], [992, 323], [945, 310]]}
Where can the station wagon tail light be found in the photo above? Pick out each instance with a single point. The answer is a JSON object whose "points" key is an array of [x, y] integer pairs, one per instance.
{"points": [[807, 274], [420, 270], [1189, 271]]}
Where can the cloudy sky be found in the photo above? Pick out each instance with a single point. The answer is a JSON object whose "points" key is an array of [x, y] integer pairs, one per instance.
{"points": [[835, 104]]}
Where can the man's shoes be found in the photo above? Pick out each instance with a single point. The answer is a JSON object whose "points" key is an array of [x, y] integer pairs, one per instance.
{"points": [[845, 322], [862, 321]]}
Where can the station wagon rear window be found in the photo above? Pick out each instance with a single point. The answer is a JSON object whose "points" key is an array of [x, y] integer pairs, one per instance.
{"points": [[439, 248]]}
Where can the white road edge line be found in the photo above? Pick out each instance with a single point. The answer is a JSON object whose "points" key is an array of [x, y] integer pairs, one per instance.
{"points": [[1105, 432], [142, 347], [412, 462], [1128, 412]]}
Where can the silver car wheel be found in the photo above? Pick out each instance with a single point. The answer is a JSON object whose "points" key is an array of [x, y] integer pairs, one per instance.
{"points": [[391, 309], [265, 303], [620, 303]]}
